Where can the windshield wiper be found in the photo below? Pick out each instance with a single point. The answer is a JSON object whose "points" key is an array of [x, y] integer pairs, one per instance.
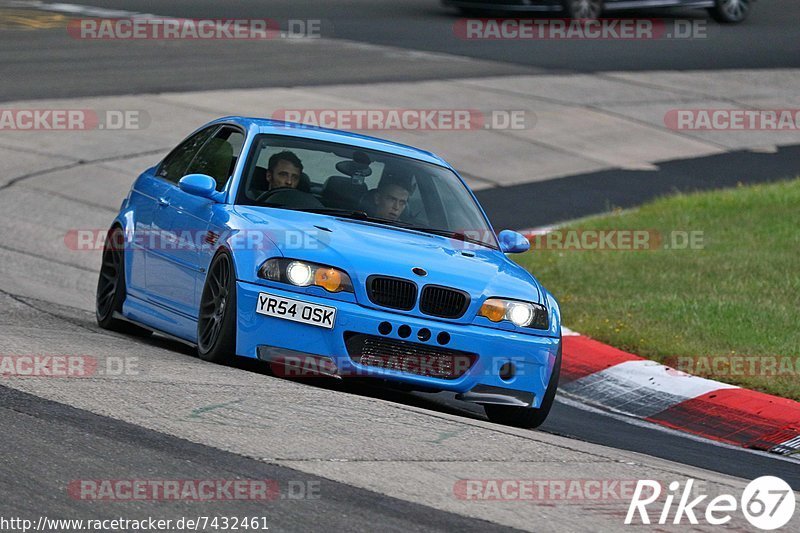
{"points": [[334, 211], [435, 231], [453, 235], [352, 213]]}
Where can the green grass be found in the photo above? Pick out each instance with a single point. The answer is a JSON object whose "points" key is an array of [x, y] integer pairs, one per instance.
{"points": [[737, 295]]}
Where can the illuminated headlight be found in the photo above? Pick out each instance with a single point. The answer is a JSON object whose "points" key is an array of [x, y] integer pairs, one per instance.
{"points": [[521, 314], [304, 274], [300, 274]]}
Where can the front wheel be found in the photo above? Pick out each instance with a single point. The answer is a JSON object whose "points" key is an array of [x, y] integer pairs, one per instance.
{"points": [[583, 9], [216, 323], [730, 11], [527, 417]]}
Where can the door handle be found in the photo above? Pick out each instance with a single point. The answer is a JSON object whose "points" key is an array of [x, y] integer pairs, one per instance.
{"points": [[163, 202]]}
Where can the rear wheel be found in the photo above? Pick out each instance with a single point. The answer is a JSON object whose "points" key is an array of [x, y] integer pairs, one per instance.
{"points": [[583, 9], [111, 286], [730, 11], [216, 324], [527, 417]]}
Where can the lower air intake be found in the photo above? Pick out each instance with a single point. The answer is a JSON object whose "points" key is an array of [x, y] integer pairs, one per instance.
{"points": [[408, 357]]}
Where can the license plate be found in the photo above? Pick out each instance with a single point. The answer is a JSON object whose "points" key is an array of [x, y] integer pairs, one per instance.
{"points": [[296, 310]]}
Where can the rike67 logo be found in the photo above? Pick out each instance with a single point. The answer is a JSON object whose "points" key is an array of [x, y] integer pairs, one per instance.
{"points": [[767, 502]]}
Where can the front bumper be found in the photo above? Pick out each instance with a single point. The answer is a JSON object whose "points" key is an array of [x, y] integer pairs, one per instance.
{"points": [[531, 356]]}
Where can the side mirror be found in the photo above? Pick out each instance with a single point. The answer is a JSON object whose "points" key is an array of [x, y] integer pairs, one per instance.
{"points": [[199, 185], [512, 242]]}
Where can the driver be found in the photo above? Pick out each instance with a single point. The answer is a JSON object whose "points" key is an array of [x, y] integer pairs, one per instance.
{"points": [[284, 170], [390, 200]]}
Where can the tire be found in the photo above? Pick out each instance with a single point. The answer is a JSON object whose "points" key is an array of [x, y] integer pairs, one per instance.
{"points": [[111, 286], [216, 321], [527, 417], [583, 9], [730, 11]]}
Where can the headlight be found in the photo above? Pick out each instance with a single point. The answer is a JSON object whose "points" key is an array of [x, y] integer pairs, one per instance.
{"points": [[303, 274], [299, 273], [521, 314]]}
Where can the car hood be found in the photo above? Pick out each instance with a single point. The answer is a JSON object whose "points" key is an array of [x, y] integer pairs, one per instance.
{"points": [[364, 248]]}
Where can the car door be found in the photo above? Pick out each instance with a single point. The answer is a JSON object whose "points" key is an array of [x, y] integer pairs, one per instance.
{"points": [[157, 239], [142, 203], [186, 219]]}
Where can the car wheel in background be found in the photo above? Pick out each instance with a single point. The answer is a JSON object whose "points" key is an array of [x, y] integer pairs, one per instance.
{"points": [[730, 11], [473, 12], [111, 286], [526, 417], [583, 9], [216, 323]]}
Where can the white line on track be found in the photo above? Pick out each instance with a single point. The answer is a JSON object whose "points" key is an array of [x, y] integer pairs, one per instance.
{"points": [[566, 332], [73, 9]]}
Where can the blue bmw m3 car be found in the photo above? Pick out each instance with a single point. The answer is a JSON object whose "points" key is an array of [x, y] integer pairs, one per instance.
{"points": [[349, 255]]}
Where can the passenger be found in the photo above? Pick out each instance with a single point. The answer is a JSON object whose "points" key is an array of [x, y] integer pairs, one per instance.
{"points": [[390, 200], [284, 170]]}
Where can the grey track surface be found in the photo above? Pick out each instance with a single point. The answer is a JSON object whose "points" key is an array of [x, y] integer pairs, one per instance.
{"points": [[96, 447], [412, 447], [31, 61], [508, 207], [269, 435], [384, 458]]}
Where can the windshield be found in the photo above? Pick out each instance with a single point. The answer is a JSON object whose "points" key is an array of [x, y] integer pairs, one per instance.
{"points": [[351, 182]]}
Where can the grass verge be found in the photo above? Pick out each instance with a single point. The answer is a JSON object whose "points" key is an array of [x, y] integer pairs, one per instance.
{"points": [[714, 292]]}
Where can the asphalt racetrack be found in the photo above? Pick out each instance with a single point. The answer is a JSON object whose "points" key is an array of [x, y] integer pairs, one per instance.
{"points": [[356, 456]]}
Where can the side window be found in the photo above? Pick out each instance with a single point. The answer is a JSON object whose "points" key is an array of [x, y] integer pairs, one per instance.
{"points": [[218, 157], [416, 208], [373, 180], [173, 168]]}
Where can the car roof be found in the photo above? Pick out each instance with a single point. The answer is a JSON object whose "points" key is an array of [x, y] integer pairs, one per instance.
{"points": [[280, 127]]}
